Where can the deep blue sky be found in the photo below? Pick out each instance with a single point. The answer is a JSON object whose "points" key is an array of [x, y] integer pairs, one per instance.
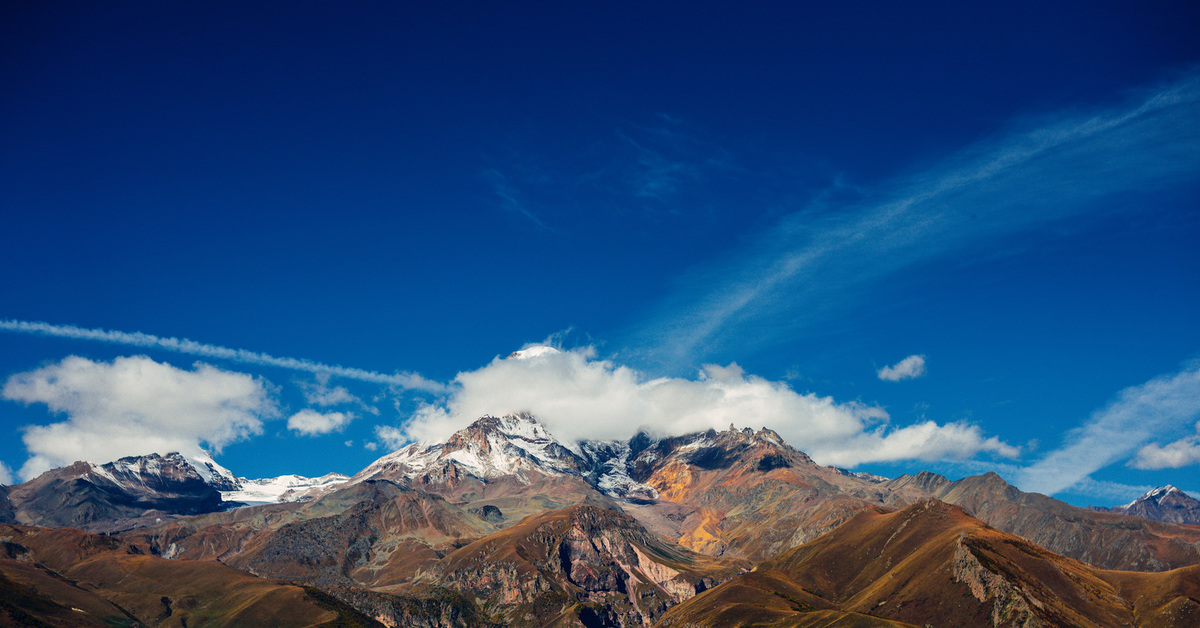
{"points": [[423, 187]]}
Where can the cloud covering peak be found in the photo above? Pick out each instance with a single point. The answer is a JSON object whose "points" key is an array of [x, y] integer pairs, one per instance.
{"points": [[578, 396]]}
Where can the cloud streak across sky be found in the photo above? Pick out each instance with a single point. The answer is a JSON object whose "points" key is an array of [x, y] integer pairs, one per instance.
{"points": [[410, 381], [806, 267], [1113, 433]]}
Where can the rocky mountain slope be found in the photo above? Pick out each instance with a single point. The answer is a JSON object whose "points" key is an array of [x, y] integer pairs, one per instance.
{"points": [[1165, 503]]}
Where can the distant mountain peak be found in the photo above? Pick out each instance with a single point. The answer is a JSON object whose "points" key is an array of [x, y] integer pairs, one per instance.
{"points": [[89, 494], [1158, 494], [1165, 503]]}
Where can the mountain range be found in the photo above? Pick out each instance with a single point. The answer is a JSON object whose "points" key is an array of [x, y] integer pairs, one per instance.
{"points": [[503, 524]]}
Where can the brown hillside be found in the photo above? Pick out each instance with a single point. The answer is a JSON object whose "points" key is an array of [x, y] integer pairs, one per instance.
{"points": [[932, 564], [1106, 540], [110, 583]]}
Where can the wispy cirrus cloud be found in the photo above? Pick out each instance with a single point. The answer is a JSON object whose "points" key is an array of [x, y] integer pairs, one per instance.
{"points": [[411, 381], [320, 393], [510, 196], [658, 167], [1137, 415], [816, 261]]}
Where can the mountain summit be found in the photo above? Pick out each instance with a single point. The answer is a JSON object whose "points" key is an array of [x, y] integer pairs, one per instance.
{"points": [[1165, 503], [491, 447], [101, 496]]}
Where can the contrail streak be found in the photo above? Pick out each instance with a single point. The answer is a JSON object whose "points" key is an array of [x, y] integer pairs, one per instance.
{"points": [[411, 381]]}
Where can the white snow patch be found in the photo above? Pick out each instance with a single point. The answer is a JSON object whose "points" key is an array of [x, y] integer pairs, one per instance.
{"points": [[532, 352], [285, 488]]}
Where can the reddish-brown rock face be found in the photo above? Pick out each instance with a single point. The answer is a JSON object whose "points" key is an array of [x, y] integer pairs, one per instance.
{"points": [[582, 560]]}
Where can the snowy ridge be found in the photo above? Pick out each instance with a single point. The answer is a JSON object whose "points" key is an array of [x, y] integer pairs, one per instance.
{"points": [[285, 488], [490, 448], [141, 472], [862, 475], [611, 459], [1155, 495], [532, 352], [214, 474]]}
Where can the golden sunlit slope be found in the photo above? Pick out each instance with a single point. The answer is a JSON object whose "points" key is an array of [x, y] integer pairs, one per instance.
{"points": [[932, 564], [108, 582], [1106, 540]]}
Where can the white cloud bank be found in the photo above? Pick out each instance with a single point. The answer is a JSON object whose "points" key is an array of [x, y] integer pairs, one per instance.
{"points": [[909, 368], [579, 397], [1138, 414], [6, 477], [135, 406], [313, 423]]}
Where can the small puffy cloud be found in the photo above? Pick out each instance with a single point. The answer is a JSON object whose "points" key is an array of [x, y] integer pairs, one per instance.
{"points": [[909, 368], [1181, 453], [6, 476], [312, 423], [134, 406], [580, 397]]}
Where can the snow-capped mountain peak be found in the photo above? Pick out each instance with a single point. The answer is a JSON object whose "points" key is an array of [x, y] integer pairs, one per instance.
{"points": [[1165, 503], [490, 447], [145, 471], [1155, 496], [532, 352]]}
